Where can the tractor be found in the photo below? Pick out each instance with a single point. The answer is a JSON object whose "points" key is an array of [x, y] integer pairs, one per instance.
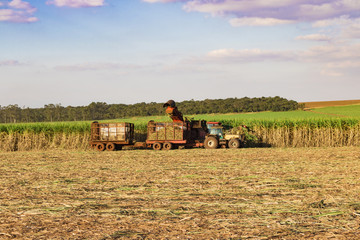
{"points": [[216, 137], [210, 134]]}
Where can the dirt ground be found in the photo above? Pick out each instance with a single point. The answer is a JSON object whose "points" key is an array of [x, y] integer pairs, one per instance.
{"points": [[278, 193]]}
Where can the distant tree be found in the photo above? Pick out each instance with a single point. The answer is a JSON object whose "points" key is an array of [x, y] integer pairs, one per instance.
{"points": [[49, 111], [26, 115], [97, 110], [102, 110], [12, 113]]}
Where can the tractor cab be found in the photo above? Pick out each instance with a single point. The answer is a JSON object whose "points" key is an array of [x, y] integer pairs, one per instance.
{"points": [[216, 129]]}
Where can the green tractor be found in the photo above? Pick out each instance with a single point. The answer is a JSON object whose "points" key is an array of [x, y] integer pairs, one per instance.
{"points": [[217, 138]]}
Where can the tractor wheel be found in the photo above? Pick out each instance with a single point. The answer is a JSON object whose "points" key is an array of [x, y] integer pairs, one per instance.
{"points": [[110, 147], [157, 146], [168, 146], [211, 143], [100, 147], [234, 143]]}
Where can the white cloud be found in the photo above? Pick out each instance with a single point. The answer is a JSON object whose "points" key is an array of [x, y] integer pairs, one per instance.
{"points": [[19, 4], [97, 66], [77, 3], [271, 12], [254, 21], [344, 26], [332, 53], [329, 9], [314, 37], [331, 73], [334, 59], [247, 55], [161, 1], [345, 64], [18, 11], [338, 21], [10, 15], [242, 7]]}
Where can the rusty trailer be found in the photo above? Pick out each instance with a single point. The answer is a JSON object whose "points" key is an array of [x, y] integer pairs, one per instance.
{"points": [[169, 135], [111, 136]]}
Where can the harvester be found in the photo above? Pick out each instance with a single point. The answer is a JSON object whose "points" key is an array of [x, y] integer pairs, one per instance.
{"points": [[202, 134]]}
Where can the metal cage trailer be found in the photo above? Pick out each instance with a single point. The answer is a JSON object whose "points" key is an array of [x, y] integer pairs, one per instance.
{"points": [[168, 135], [111, 136]]}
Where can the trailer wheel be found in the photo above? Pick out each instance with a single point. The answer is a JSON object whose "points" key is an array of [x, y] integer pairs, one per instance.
{"points": [[100, 147], [157, 146], [234, 143], [211, 143], [168, 146], [110, 147]]}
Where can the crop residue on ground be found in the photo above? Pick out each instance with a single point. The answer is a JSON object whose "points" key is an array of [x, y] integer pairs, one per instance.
{"points": [[190, 194]]}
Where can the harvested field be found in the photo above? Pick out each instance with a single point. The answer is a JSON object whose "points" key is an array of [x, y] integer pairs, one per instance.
{"points": [[297, 193], [330, 103]]}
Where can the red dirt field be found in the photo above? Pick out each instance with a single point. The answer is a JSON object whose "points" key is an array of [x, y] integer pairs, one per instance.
{"points": [[330, 103], [282, 193]]}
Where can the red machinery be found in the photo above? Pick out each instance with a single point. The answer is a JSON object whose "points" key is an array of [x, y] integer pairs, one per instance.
{"points": [[173, 112], [202, 133]]}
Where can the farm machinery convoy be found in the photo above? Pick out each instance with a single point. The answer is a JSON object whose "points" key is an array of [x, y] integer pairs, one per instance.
{"points": [[181, 132]]}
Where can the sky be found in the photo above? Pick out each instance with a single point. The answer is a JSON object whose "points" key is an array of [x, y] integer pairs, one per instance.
{"points": [[75, 52]]}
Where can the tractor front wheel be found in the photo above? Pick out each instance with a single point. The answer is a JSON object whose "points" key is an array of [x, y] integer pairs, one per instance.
{"points": [[211, 143]]}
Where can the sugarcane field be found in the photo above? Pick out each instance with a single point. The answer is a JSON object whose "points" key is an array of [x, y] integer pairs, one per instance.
{"points": [[287, 179], [179, 119]]}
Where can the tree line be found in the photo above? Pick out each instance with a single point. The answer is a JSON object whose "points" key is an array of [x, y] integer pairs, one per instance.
{"points": [[102, 110]]}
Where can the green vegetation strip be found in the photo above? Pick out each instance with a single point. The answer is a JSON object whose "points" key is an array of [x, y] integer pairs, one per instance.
{"points": [[141, 125], [329, 117], [48, 128]]}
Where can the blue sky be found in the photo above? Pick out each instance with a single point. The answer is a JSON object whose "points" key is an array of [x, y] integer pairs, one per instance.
{"points": [[75, 52]]}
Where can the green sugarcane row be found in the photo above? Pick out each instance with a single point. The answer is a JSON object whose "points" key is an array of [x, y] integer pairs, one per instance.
{"points": [[84, 127]]}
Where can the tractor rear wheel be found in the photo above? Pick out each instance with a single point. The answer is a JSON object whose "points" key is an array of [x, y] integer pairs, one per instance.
{"points": [[234, 143], [110, 147], [211, 143], [157, 146], [168, 146]]}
